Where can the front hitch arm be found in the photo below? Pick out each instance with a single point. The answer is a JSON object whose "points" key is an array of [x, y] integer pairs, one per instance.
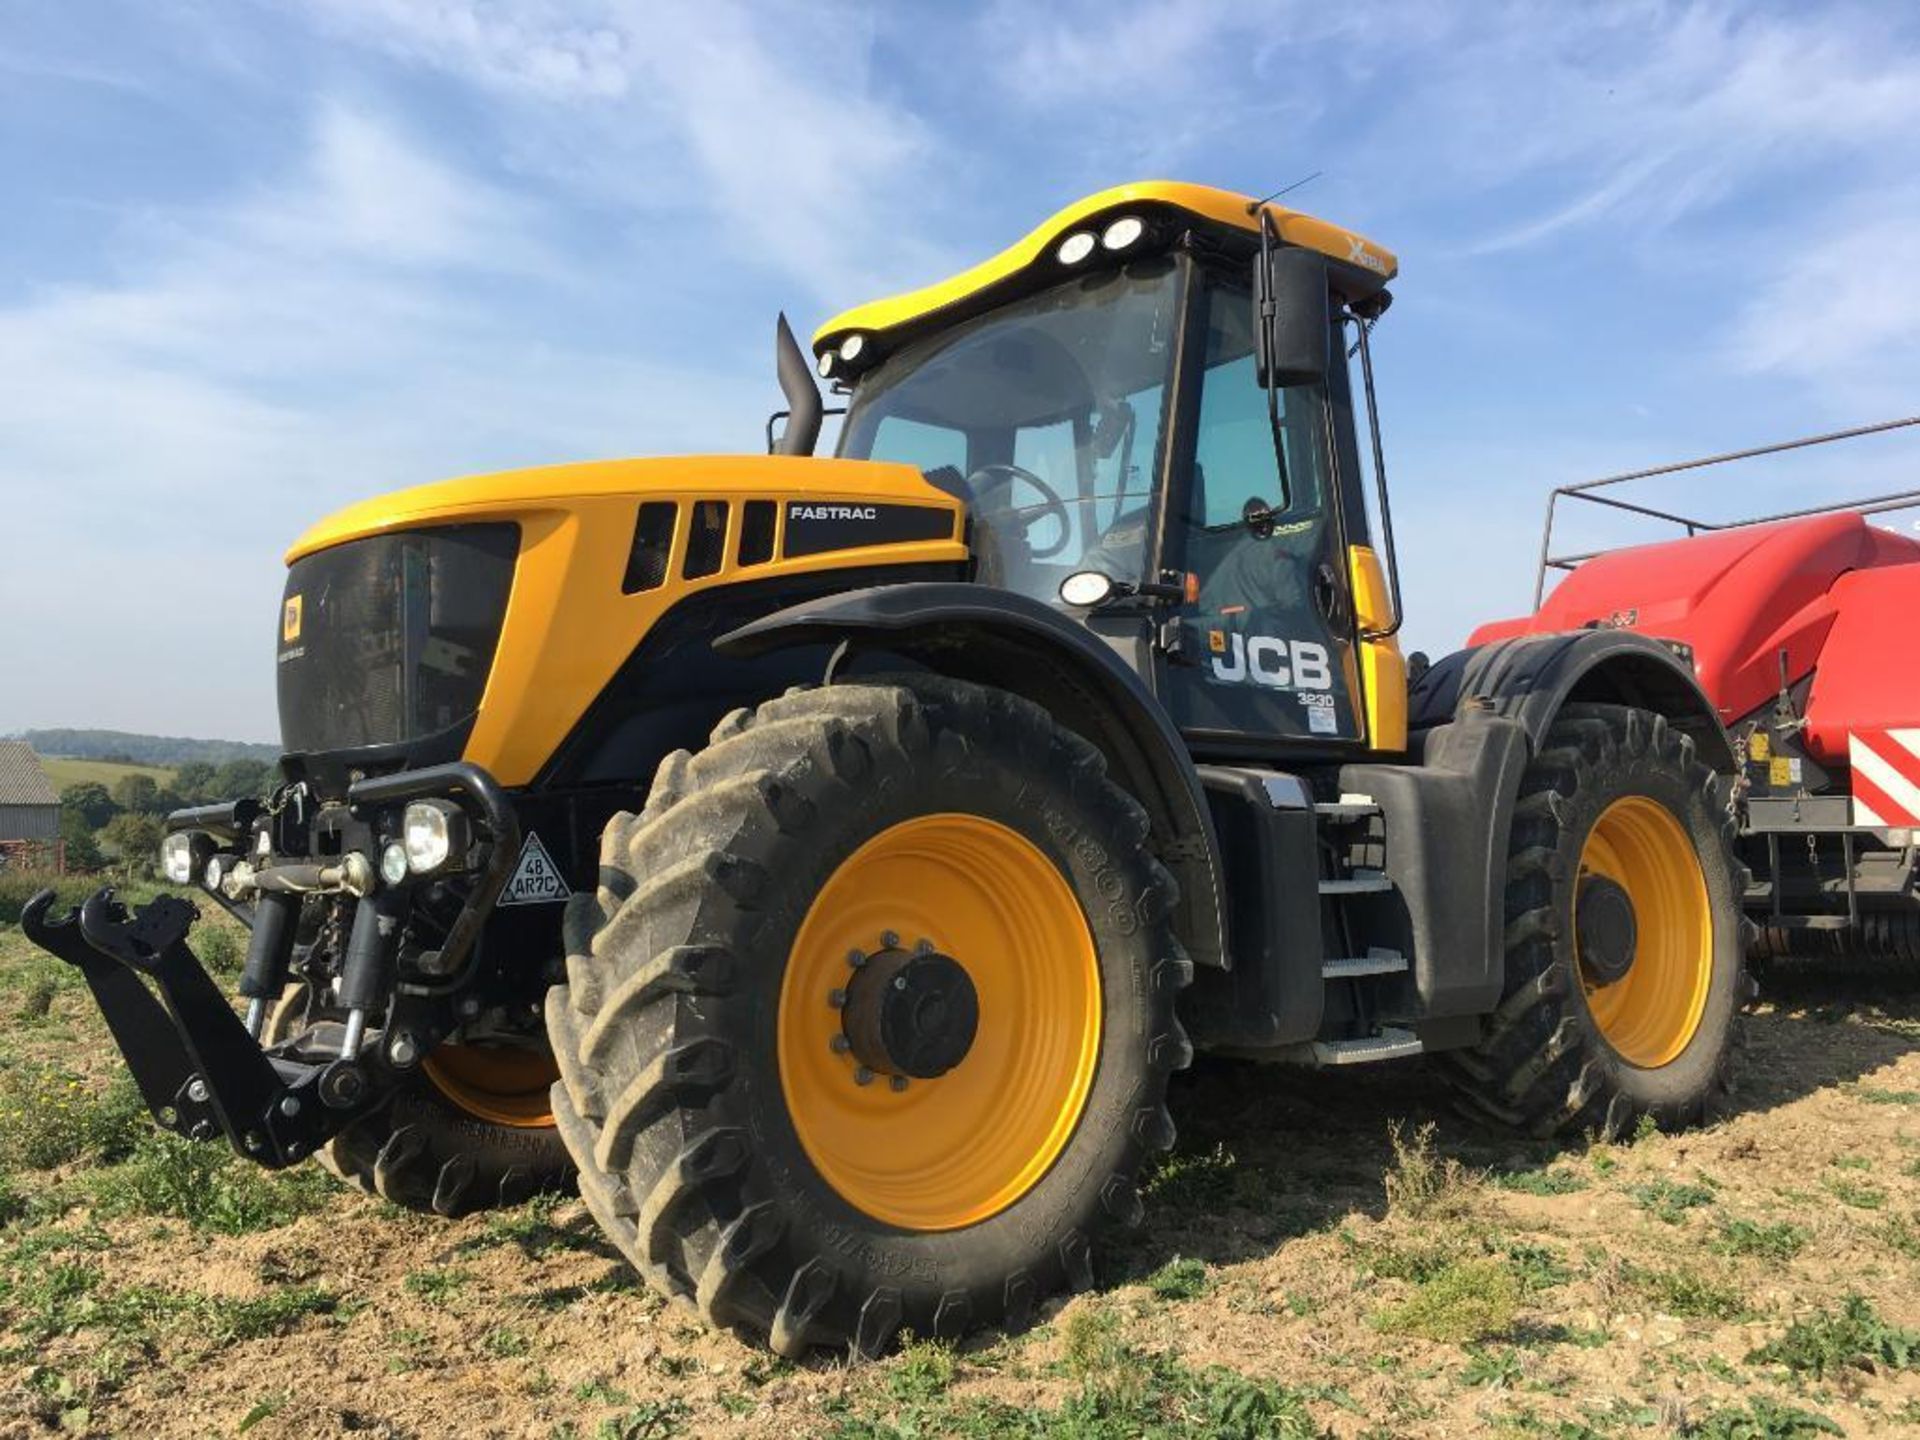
{"points": [[165, 1076], [196, 1066]]}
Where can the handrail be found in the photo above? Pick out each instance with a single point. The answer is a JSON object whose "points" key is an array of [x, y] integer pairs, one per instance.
{"points": [[1870, 505]]}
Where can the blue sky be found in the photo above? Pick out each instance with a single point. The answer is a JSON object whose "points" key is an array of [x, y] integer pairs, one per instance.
{"points": [[262, 259]]}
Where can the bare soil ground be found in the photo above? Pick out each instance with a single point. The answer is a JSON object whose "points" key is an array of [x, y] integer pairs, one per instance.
{"points": [[1300, 1273]]}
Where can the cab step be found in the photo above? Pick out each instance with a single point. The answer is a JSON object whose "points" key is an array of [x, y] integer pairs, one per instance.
{"points": [[1346, 810], [1389, 1044], [1377, 961], [1360, 882]]}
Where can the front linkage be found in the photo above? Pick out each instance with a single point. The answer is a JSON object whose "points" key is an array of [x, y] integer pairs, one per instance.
{"points": [[200, 1068]]}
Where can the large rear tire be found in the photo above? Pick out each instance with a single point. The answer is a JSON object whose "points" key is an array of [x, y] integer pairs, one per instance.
{"points": [[1622, 842], [471, 1130], [763, 1132]]}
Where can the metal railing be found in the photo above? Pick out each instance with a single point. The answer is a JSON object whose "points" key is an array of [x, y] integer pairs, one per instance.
{"points": [[1870, 505]]}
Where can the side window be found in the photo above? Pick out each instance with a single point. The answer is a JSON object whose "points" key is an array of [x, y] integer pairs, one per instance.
{"points": [[913, 442], [1234, 447]]}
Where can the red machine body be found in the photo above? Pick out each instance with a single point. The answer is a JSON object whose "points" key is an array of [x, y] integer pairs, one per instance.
{"points": [[1838, 596]]}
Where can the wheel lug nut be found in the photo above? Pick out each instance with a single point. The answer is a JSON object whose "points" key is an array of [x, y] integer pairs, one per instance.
{"points": [[856, 959], [899, 982], [923, 947], [840, 1044], [899, 1083], [863, 1076], [890, 939], [837, 999]]}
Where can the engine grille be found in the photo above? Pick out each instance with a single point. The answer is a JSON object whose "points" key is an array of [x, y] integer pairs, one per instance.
{"points": [[391, 638]]}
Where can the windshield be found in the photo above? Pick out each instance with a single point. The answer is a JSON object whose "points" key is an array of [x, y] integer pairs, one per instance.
{"points": [[1045, 416]]}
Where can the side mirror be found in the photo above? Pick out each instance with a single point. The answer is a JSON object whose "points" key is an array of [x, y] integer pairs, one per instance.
{"points": [[1085, 589], [1292, 317]]}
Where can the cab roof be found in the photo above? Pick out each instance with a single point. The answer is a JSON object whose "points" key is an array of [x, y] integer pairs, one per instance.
{"points": [[1030, 261]]}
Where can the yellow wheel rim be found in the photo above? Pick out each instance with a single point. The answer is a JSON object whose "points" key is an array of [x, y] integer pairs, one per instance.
{"points": [[957, 1149], [1650, 1014], [500, 1084]]}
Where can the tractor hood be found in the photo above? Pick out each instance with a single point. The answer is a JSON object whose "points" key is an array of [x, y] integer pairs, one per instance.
{"points": [[481, 617], [597, 487]]}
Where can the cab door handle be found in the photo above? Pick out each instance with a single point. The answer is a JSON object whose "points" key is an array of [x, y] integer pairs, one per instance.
{"points": [[1326, 593]]}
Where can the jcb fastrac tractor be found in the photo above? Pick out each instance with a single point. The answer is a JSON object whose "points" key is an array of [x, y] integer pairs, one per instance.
{"points": [[830, 860]]}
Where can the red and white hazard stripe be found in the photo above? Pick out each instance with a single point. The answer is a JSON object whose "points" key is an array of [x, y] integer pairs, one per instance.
{"points": [[1886, 777]]}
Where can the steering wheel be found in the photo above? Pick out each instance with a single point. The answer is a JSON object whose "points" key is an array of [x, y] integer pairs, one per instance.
{"points": [[995, 476]]}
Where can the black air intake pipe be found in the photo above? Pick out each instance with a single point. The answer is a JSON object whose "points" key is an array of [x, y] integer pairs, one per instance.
{"points": [[804, 410]]}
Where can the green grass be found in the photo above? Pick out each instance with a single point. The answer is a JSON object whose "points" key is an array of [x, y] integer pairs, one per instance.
{"points": [[1178, 1279], [50, 1118], [645, 1421], [1856, 1193], [1556, 1180], [1670, 1200], [438, 1284], [1779, 1241], [1761, 1418], [56, 1287], [1193, 1180], [1686, 1292], [1875, 1095], [922, 1373], [1421, 1184], [1121, 1392], [207, 1186], [1902, 1236], [1470, 1301], [1832, 1342]]}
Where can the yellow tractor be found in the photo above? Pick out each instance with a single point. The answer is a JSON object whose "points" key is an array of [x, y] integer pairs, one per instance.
{"points": [[828, 861]]}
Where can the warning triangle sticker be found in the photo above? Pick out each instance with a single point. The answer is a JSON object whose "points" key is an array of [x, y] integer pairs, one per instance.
{"points": [[536, 879]]}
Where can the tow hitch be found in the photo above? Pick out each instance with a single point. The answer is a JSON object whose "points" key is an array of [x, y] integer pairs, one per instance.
{"points": [[202, 1070], [197, 1068]]}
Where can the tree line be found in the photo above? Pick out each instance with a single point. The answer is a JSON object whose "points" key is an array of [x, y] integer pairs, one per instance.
{"points": [[129, 818], [144, 749]]}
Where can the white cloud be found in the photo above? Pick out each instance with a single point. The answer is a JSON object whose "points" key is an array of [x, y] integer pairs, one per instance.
{"points": [[1839, 305], [256, 364], [761, 119], [1654, 113], [371, 194], [1640, 114]]}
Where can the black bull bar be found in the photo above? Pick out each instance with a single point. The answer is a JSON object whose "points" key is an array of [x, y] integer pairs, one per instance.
{"points": [[200, 1069]]}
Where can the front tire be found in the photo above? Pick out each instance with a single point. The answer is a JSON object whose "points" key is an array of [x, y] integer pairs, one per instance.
{"points": [[770, 1140], [470, 1130], [1622, 840]]}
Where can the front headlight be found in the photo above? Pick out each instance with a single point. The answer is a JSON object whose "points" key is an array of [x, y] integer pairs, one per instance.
{"points": [[394, 863], [433, 833], [176, 858]]}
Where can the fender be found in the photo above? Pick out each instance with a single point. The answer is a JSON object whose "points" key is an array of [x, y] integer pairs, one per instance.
{"points": [[1001, 638], [1530, 678]]}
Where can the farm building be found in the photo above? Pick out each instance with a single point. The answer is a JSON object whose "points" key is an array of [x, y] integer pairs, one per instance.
{"points": [[29, 808]]}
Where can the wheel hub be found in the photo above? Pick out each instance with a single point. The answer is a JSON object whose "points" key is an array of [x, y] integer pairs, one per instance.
{"points": [[912, 1014], [1605, 927]]}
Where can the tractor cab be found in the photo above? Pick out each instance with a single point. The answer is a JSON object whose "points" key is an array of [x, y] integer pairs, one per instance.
{"points": [[1130, 444]]}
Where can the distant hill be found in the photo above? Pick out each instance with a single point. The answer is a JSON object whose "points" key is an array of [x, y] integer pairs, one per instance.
{"points": [[163, 750], [65, 771]]}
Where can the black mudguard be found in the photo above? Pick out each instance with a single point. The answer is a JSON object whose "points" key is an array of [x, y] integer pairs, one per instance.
{"points": [[1531, 678], [998, 637]]}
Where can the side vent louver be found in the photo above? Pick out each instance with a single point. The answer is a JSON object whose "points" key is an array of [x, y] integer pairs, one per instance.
{"points": [[707, 540], [652, 546], [756, 532]]}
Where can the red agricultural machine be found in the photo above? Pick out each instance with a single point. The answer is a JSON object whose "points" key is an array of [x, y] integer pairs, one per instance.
{"points": [[1800, 627]]}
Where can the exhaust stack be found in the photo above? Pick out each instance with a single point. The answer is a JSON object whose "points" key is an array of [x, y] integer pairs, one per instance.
{"points": [[804, 410]]}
